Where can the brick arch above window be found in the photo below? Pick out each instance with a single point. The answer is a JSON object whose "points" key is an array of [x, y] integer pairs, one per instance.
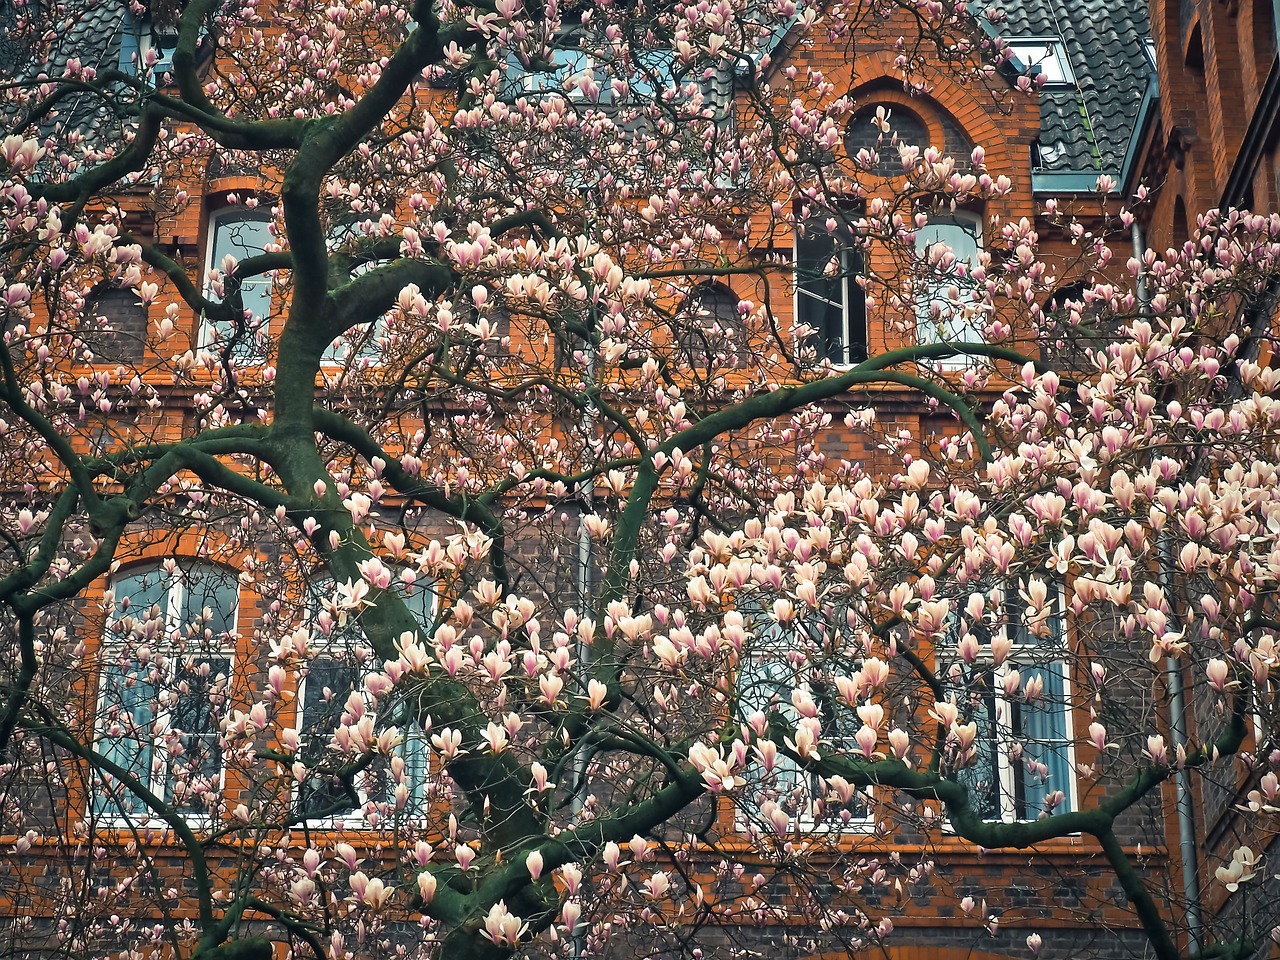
{"points": [[949, 104]]}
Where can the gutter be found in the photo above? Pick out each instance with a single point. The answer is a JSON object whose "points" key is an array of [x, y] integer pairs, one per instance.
{"points": [[1071, 181]]}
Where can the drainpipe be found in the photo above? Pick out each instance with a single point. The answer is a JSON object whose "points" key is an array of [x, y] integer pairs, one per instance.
{"points": [[1177, 699], [1182, 777], [1139, 250], [586, 498]]}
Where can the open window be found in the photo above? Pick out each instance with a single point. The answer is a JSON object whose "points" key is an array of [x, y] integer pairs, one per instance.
{"points": [[141, 38], [829, 299], [166, 654]]}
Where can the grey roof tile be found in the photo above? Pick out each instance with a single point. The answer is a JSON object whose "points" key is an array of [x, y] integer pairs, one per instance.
{"points": [[1089, 126]]}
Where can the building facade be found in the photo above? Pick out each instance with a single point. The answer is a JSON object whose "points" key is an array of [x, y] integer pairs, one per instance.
{"points": [[1112, 100]]}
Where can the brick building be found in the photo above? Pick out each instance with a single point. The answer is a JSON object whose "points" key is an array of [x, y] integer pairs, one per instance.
{"points": [[1116, 99]]}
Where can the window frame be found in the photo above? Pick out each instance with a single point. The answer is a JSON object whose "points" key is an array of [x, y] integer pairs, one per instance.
{"points": [[352, 636], [1052, 62], [105, 806], [1011, 775], [250, 353], [852, 304], [934, 288], [771, 652], [343, 231], [694, 346]]}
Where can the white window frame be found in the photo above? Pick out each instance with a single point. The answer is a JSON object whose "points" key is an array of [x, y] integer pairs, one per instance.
{"points": [[931, 290], [1046, 56], [104, 807], [1008, 773], [138, 40], [247, 352], [356, 817], [849, 256], [340, 233], [770, 651]]}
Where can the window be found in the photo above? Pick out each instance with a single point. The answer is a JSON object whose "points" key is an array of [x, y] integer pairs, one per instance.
{"points": [[1074, 328], [324, 702], [1045, 56], [167, 657], [361, 342], [829, 299], [140, 36], [767, 676], [947, 247], [114, 325], [240, 233], [710, 330], [1023, 749], [905, 127]]}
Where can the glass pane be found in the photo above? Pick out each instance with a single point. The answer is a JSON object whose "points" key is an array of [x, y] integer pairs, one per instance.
{"points": [[195, 764], [941, 287], [324, 696], [421, 603], [212, 588], [1044, 736], [127, 712], [416, 763], [142, 595], [243, 234], [982, 776]]}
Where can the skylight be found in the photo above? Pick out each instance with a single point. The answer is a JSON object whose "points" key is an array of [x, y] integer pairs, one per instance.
{"points": [[1045, 55]]}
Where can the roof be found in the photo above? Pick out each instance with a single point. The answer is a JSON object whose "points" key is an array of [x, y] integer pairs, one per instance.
{"points": [[93, 33], [1088, 125]]}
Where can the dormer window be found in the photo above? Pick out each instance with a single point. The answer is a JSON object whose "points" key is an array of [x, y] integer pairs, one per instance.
{"points": [[140, 37], [1044, 56]]}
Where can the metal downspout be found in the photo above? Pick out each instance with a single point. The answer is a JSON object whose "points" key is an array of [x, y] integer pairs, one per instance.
{"points": [[1177, 699]]}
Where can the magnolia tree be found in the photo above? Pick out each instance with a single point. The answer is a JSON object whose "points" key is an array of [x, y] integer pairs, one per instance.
{"points": [[443, 570]]}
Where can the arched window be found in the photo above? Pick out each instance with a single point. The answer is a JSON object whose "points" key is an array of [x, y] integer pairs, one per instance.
{"points": [[114, 325], [948, 246], [331, 790], [710, 330], [240, 233], [904, 127], [166, 656]]}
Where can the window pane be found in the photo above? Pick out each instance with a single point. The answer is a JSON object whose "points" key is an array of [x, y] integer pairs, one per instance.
{"points": [[195, 763], [127, 712], [982, 776], [212, 588], [941, 287], [711, 332], [243, 234], [114, 325], [827, 297], [324, 695], [142, 596], [1045, 738]]}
